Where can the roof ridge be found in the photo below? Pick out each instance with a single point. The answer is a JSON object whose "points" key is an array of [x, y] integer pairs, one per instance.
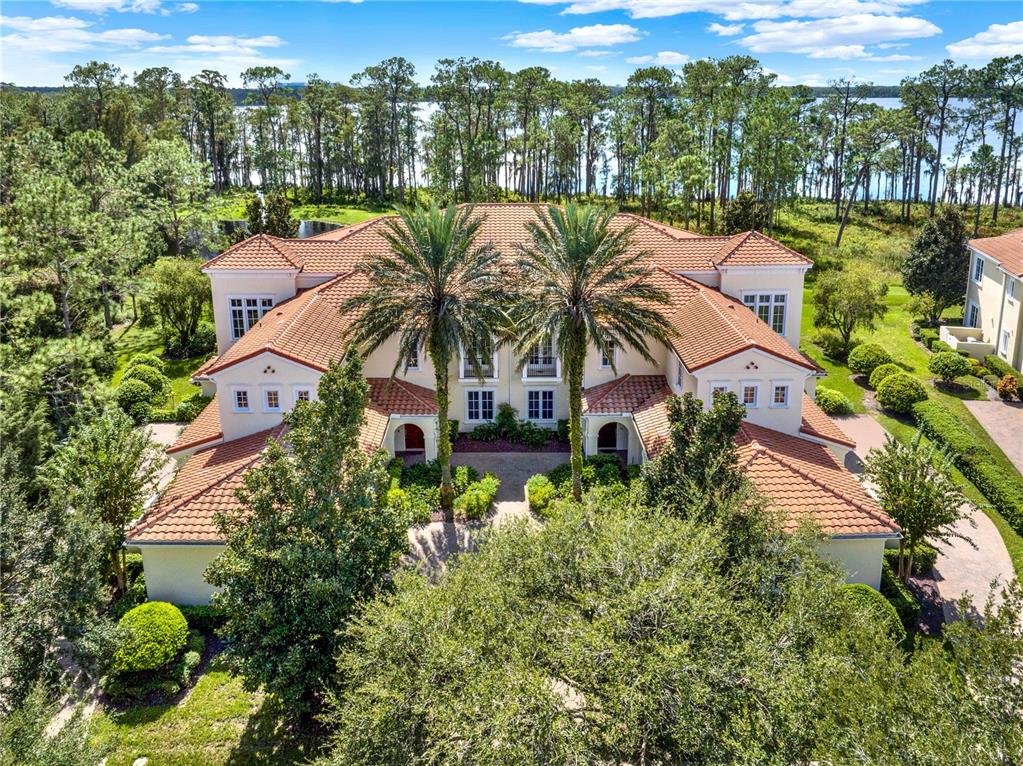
{"points": [[271, 240], [738, 238], [316, 291]]}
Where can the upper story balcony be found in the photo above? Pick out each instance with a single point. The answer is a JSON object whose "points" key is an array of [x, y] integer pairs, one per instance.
{"points": [[483, 370], [542, 364]]}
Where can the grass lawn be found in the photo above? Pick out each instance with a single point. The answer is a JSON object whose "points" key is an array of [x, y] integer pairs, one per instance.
{"points": [[217, 722], [231, 207], [131, 339]]}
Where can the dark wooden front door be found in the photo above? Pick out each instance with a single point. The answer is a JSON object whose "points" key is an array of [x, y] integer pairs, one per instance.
{"points": [[414, 439]]}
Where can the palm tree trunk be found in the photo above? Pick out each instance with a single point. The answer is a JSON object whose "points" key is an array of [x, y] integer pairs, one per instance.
{"points": [[447, 491], [575, 411]]}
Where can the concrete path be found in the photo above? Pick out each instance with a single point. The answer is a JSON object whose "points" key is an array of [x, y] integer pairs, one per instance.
{"points": [[1004, 423], [961, 569], [432, 545], [165, 434]]}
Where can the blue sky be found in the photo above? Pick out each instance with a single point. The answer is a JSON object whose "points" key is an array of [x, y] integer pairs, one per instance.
{"points": [[802, 41]]}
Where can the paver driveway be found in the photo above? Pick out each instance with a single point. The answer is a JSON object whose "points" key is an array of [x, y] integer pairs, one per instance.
{"points": [[1004, 423]]}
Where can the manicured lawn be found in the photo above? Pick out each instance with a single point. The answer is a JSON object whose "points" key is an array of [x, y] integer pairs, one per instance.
{"points": [[231, 207], [132, 339], [217, 722]]}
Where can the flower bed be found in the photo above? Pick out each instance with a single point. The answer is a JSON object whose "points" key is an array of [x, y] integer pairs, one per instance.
{"points": [[464, 443]]}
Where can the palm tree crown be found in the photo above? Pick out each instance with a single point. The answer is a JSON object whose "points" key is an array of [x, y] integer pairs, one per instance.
{"points": [[579, 283], [436, 290]]}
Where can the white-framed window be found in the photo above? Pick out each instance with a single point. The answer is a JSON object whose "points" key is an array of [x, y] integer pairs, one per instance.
{"points": [[413, 361], [247, 310], [770, 307], [978, 268], [1010, 289], [678, 375], [541, 362], [479, 404], [271, 398], [607, 358], [718, 387], [779, 395], [1003, 347], [487, 356], [540, 404], [241, 399], [973, 315], [749, 394], [302, 392]]}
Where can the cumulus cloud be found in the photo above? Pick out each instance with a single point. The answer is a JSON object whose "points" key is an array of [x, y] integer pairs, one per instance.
{"points": [[229, 52], [594, 54], [67, 34], [996, 40], [842, 38], [726, 30], [733, 10], [127, 6], [594, 36], [663, 58]]}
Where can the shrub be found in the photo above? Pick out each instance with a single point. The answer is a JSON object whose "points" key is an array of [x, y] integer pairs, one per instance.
{"points": [[999, 366], [203, 341], [830, 343], [1008, 387], [563, 430], [833, 402], [186, 411], [158, 384], [880, 609], [203, 618], [154, 634], [540, 491], [866, 357], [478, 498], [900, 597], [941, 347], [928, 336], [883, 371], [150, 360], [900, 392], [452, 430], [134, 396], [948, 365], [923, 560], [992, 380]]}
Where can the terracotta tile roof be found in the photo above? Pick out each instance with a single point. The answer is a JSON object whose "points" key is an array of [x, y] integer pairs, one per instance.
{"points": [[805, 480], [203, 487], [624, 394], [1006, 248], [259, 252], [203, 430], [399, 397], [751, 248], [710, 326], [817, 423]]}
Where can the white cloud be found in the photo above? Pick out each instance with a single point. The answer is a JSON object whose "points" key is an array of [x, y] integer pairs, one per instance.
{"points": [[891, 46], [732, 10], [126, 6], [596, 35], [726, 30], [67, 34], [227, 52], [597, 68], [842, 38], [595, 54], [813, 80], [663, 58], [996, 40]]}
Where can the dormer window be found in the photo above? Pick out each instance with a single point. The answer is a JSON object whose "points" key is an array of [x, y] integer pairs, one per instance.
{"points": [[750, 395], [246, 311]]}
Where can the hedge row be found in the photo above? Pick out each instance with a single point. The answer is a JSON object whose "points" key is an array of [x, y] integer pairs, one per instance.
{"points": [[899, 596], [1000, 367], [204, 619], [1003, 490]]}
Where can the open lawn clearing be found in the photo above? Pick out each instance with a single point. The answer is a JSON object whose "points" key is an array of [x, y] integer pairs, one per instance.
{"points": [[132, 339], [231, 207]]}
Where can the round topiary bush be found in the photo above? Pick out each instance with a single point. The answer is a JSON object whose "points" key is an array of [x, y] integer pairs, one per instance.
{"points": [[900, 392], [866, 357], [158, 384], [883, 371], [948, 365], [134, 396], [865, 599], [833, 402], [150, 360], [154, 633]]}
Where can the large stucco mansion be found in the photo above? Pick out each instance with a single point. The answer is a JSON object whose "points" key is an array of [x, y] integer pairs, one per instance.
{"points": [[735, 309]]}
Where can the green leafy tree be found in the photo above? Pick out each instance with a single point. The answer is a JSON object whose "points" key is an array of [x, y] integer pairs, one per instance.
{"points": [[270, 213], [25, 738], [848, 300], [939, 261], [744, 213], [311, 540], [579, 284], [915, 488], [107, 470], [438, 290], [179, 293]]}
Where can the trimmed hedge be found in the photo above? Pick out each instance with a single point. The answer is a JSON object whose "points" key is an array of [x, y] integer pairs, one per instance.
{"points": [[152, 377], [134, 396], [948, 365], [928, 336], [203, 619], [883, 371], [999, 366], [186, 411], [154, 633], [151, 360], [833, 402], [1003, 490], [900, 392], [900, 597], [877, 606], [941, 347], [866, 357]]}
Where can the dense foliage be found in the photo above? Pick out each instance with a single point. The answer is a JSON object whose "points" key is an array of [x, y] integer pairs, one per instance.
{"points": [[833, 402], [848, 300], [152, 634], [938, 262], [899, 392], [948, 365], [866, 357]]}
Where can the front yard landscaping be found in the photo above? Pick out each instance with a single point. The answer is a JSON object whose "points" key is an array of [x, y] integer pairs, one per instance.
{"points": [[131, 339]]}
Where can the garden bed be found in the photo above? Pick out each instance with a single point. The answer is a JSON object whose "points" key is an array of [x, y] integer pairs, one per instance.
{"points": [[464, 443]]}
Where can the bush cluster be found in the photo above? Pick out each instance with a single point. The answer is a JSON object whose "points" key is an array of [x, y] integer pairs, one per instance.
{"points": [[203, 619], [478, 498], [1002, 490], [158, 383], [540, 492], [830, 343], [999, 366], [833, 402], [900, 392], [928, 336], [202, 342], [941, 347], [866, 357], [900, 597], [186, 411], [415, 489], [883, 371], [164, 681], [948, 365], [507, 426], [877, 606], [543, 490], [134, 397], [923, 560]]}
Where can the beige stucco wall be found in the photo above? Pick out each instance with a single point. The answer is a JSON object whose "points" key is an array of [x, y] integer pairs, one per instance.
{"points": [[280, 285], [257, 374], [394, 440], [626, 432], [997, 310], [860, 557], [736, 281], [175, 572]]}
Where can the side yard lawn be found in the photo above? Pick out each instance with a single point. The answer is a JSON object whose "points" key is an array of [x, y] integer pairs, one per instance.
{"points": [[132, 339]]}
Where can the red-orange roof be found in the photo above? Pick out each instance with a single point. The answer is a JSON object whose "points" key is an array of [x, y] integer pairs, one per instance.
{"points": [[816, 423], [203, 430], [1006, 248]]}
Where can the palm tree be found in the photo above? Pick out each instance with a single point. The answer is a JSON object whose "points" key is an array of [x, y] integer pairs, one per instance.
{"points": [[437, 290], [580, 283]]}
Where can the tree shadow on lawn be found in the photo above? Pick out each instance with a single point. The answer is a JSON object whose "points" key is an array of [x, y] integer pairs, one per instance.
{"points": [[268, 739], [966, 388]]}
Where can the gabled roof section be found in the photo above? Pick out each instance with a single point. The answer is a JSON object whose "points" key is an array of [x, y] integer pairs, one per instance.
{"points": [[1006, 248], [751, 248], [260, 252], [710, 326], [817, 424], [205, 429], [643, 396]]}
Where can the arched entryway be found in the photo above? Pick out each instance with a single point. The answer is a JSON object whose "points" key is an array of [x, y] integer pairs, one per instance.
{"points": [[613, 437], [409, 438]]}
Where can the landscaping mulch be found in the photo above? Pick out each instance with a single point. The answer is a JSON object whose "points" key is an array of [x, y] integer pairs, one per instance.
{"points": [[465, 444]]}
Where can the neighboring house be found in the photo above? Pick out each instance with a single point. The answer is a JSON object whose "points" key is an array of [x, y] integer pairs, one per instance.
{"points": [[992, 319], [735, 310]]}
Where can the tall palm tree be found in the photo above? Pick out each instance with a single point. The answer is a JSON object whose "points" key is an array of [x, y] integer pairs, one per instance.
{"points": [[439, 291], [580, 283]]}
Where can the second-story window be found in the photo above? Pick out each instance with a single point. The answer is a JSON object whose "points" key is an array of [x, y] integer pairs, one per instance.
{"points": [[413, 361], [272, 400], [607, 358], [978, 269], [770, 307], [246, 311], [780, 395], [487, 367], [750, 394], [541, 362], [241, 400]]}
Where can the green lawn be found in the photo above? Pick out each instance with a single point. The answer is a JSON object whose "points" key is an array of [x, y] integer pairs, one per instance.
{"points": [[217, 722], [231, 207], [132, 339]]}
